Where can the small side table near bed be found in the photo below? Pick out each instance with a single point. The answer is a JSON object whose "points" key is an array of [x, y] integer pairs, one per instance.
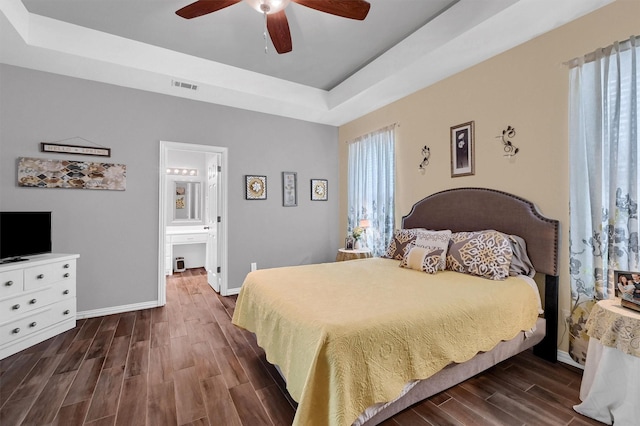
{"points": [[344, 254], [610, 388]]}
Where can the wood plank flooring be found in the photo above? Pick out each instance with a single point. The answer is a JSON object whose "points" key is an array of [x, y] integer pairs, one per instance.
{"points": [[186, 364]]}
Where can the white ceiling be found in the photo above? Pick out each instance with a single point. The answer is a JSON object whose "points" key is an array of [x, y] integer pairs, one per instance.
{"points": [[339, 69]]}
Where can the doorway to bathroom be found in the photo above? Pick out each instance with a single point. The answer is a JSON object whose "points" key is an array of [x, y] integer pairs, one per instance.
{"points": [[192, 213]]}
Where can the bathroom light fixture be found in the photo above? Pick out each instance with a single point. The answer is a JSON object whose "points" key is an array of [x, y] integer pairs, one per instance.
{"points": [[182, 172]]}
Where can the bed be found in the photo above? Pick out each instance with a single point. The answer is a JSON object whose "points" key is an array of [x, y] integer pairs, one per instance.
{"points": [[359, 341]]}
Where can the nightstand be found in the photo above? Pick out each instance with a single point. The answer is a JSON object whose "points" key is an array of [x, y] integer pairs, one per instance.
{"points": [[344, 254], [612, 368]]}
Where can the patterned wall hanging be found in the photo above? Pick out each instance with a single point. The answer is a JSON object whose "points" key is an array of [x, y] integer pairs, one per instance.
{"points": [[255, 187], [45, 173]]}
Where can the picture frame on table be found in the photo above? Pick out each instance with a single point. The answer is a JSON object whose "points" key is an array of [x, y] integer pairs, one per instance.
{"points": [[289, 189], [349, 243], [319, 189], [255, 187], [463, 150], [627, 287]]}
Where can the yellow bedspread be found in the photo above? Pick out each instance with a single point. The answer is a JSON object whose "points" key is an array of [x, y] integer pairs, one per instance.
{"points": [[347, 335]]}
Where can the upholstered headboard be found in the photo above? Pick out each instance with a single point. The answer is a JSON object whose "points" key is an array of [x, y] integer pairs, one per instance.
{"points": [[477, 209]]}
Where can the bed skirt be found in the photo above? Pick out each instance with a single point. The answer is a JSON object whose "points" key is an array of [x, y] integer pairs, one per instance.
{"points": [[451, 375]]}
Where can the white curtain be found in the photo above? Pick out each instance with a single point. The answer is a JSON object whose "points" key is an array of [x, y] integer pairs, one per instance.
{"points": [[371, 185], [603, 164]]}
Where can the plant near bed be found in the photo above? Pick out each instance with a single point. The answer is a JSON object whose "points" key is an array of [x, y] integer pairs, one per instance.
{"points": [[357, 235]]}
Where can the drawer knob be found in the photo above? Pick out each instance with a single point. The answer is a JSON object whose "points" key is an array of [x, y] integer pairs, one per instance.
{"points": [[16, 330], [9, 283], [66, 275], [65, 292], [66, 266], [33, 301], [16, 307], [33, 324], [67, 312], [41, 276]]}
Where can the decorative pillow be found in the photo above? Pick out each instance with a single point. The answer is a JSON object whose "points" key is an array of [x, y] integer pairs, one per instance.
{"points": [[520, 262], [401, 239], [483, 253], [434, 240], [422, 259]]}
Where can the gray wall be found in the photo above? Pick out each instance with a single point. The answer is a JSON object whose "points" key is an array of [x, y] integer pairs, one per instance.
{"points": [[115, 232]]}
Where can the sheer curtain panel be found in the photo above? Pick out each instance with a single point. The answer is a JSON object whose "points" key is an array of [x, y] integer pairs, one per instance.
{"points": [[371, 182], [603, 167]]}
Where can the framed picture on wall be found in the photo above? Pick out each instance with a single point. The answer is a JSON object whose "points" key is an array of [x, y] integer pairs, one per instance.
{"points": [[628, 288], [319, 190], [289, 189], [462, 150], [255, 187]]}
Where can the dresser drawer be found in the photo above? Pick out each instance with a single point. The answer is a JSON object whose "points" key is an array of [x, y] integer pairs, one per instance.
{"points": [[25, 325], [11, 282], [63, 290], [63, 310], [24, 303], [189, 238], [43, 275]]}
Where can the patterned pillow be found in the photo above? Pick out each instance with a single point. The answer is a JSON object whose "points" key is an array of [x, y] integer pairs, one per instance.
{"points": [[434, 240], [422, 259], [401, 239], [483, 253], [520, 262]]}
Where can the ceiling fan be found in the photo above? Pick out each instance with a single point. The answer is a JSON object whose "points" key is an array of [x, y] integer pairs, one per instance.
{"points": [[275, 18]]}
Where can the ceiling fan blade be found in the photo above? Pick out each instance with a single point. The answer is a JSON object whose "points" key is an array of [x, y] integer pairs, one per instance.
{"points": [[278, 27], [353, 9], [203, 7]]}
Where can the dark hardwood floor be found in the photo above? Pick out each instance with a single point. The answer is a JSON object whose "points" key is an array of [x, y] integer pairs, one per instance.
{"points": [[186, 364]]}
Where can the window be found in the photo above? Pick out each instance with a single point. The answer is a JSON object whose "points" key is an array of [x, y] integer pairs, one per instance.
{"points": [[603, 171], [371, 186]]}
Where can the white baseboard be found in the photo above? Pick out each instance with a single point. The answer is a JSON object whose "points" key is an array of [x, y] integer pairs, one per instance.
{"points": [[232, 291], [129, 308], [565, 358], [117, 309]]}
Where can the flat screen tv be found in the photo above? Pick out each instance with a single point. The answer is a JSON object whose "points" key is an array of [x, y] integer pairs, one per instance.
{"points": [[24, 234]]}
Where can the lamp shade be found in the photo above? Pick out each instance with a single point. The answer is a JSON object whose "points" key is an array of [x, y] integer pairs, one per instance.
{"points": [[365, 223]]}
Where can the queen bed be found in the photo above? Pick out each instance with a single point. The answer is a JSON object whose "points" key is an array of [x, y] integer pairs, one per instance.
{"points": [[359, 341]]}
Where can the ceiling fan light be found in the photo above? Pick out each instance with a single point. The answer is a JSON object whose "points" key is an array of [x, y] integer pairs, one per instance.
{"points": [[271, 6]]}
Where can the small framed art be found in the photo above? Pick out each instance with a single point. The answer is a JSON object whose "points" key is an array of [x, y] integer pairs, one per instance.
{"points": [[462, 150], [319, 190], [289, 190], [628, 288], [349, 243], [255, 187]]}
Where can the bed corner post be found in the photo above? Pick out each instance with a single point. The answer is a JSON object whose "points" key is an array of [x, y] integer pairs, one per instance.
{"points": [[548, 347]]}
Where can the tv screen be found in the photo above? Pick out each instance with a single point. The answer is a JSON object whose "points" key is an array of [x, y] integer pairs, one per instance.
{"points": [[24, 234]]}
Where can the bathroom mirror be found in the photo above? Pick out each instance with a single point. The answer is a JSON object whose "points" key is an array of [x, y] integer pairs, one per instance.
{"points": [[187, 205]]}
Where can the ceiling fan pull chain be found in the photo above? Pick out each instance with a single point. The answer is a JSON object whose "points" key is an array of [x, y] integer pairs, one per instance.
{"points": [[264, 33]]}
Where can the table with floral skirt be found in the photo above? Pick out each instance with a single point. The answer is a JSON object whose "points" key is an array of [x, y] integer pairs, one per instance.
{"points": [[610, 385]]}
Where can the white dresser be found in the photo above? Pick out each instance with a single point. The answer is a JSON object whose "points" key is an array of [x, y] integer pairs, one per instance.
{"points": [[37, 300]]}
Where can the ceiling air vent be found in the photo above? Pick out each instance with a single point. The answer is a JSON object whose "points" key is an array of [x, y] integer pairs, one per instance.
{"points": [[184, 85]]}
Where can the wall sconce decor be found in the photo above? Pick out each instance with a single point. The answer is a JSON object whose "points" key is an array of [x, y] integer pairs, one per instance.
{"points": [[182, 172], [509, 148], [426, 154]]}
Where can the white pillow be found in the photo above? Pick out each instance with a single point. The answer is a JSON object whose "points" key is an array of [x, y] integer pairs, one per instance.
{"points": [[434, 240], [421, 259]]}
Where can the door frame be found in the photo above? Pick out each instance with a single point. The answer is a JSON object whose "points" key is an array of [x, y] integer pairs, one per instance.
{"points": [[165, 147]]}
